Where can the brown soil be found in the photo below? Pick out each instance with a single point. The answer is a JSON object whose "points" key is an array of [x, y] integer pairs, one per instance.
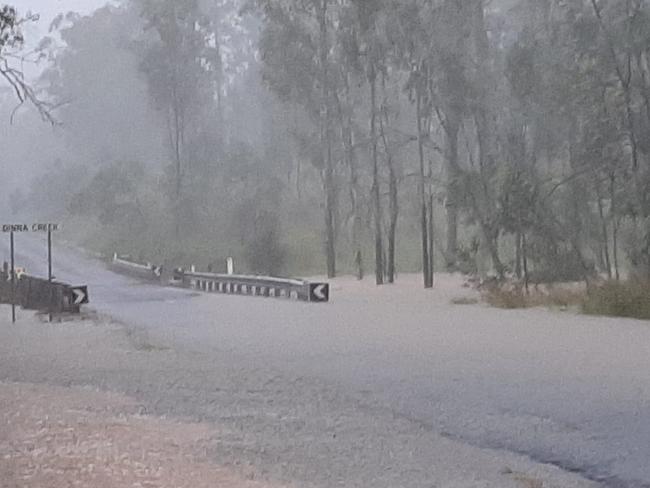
{"points": [[64, 437]]}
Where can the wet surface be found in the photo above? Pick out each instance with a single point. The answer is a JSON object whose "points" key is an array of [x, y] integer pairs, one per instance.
{"points": [[561, 388]]}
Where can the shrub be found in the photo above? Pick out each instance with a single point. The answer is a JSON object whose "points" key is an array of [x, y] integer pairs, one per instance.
{"points": [[515, 297], [263, 249], [506, 298], [464, 301], [629, 299]]}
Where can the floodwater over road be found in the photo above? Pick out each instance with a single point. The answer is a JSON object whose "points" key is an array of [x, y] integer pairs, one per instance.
{"points": [[563, 389]]}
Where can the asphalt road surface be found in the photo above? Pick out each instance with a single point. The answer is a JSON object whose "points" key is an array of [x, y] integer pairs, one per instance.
{"points": [[555, 387]]}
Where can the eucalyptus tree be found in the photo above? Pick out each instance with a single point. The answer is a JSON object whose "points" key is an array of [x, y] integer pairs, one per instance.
{"points": [[623, 40], [181, 59], [295, 45], [431, 41], [368, 45], [413, 41], [578, 77]]}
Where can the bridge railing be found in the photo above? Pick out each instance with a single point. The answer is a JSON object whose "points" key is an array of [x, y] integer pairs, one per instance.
{"points": [[262, 286], [148, 271]]}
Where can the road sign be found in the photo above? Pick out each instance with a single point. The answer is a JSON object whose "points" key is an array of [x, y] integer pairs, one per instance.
{"points": [[45, 227], [80, 295], [319, 292], [14, 228], [30, 228]]}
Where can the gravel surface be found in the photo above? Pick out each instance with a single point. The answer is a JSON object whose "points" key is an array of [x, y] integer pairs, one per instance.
{"points": [[54, 437], [553, 386], [265, 425]]}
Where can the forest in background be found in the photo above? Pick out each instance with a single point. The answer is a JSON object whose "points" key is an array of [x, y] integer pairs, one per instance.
{"points": [[351, 136]]}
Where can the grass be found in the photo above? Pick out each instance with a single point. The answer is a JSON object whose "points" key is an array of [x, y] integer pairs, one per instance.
{"points": [[517, 298], [630, 299], [528, 481], [464, 301]]}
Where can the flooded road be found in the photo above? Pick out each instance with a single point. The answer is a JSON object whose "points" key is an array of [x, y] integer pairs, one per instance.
{"points": [[560, 388]]}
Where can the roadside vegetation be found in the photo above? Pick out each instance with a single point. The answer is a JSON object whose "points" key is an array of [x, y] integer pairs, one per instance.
{"points": [[619, 299], [376, 137], [630, 299]]}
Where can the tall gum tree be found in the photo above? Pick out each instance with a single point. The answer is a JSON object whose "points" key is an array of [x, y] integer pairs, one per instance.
{"points": [[182, 62]]}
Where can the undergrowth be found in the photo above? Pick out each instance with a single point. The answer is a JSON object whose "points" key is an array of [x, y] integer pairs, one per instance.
{"points": [[629, 299]]}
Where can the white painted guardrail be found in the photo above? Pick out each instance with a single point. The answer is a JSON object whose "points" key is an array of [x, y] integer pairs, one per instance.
{"points": [[149, 272], [231, 284], [261, 286]]}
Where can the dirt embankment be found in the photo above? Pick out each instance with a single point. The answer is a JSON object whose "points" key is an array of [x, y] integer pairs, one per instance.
{"points": [[53, 437]]}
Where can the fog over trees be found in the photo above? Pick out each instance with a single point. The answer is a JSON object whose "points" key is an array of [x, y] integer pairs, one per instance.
{"points": [[502, 137]]}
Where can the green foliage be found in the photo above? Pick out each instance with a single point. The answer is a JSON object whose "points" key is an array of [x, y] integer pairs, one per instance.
{"points": [[181, 58], [532, 124], [518, 204], [263, 250], [112, 195]]}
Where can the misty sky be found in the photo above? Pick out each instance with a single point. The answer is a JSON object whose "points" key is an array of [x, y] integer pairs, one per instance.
{"points": [[48, 9], [22, 157]]}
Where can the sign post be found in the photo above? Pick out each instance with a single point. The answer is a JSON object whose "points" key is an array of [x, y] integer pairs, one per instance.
{"points": [[13, 279], [49, 267], [12, 229]]}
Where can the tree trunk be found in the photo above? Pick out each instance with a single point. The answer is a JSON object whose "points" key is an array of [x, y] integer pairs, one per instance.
{"points": [[485, 133], [430, 226], [524, 254], [431, 240], [424, 228], [345, 122], [176, 129], [518, 236], [392, 198], [605, 233], [453, 190], [329, 215], [625, 80], [392, 231], [376, 198], [326, 147], [615, 224]]}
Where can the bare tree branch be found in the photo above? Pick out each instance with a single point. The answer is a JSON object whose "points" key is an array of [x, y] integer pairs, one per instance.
{"points": [[11, 42]]}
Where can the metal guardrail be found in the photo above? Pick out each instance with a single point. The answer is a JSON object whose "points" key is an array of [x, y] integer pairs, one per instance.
{"points": [[263, 286], [40, 294], [230, 284], [149, 272]]}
